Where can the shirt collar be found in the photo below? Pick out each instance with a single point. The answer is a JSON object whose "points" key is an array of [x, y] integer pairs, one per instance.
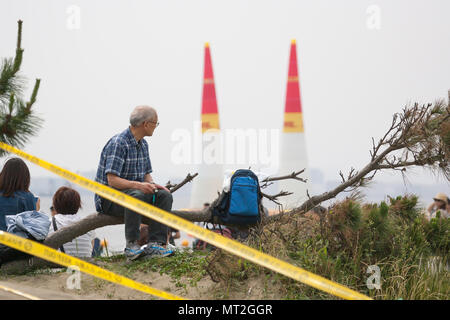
{"points": [[131, 138]]}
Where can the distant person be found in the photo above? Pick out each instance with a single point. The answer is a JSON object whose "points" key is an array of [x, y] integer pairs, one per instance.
{"points": [[15, 196], [66, 203], [98, 246], [440, 203], [125, 165]]}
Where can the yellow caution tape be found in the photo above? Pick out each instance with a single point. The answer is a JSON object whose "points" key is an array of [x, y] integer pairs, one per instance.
{"points": [[178, 223], [19, 293], [47, 253]]}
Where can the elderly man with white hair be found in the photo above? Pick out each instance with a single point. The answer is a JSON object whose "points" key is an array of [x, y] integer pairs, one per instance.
{"points": [[125, 165]]}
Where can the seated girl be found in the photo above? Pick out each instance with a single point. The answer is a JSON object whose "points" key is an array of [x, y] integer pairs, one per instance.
{"points": [[14, 194], [66, 203]]}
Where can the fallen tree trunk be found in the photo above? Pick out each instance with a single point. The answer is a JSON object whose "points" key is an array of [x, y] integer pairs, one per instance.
{"points": [[91, 222], [98, 220]]}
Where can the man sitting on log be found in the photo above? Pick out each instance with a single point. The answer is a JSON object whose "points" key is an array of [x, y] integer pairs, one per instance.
{"points": [[125, 165]]}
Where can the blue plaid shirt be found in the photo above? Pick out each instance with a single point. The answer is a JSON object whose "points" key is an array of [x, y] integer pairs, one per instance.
{"points": [[124, 157]]}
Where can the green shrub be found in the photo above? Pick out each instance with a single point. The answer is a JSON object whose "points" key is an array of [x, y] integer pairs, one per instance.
{"points": [[395, 236]]}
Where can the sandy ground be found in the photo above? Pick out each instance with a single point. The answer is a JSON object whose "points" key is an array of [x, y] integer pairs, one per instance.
{"points": [[56, 287]]}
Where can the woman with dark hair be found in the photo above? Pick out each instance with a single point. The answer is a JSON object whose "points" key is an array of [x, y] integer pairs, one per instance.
{"points": [[14, 194], [66, 203]]}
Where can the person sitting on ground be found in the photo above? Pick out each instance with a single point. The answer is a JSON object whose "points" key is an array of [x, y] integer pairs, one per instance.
{"points": [[66, 203], [441, 204], [15, 196], [98, 246]]}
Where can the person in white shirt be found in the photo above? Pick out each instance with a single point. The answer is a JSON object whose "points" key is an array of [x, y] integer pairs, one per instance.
{"points": [[66, 203], [441, 204]]}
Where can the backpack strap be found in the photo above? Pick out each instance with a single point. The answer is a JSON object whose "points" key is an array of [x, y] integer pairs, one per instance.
{"points": [[220, 228], [56, 228]]}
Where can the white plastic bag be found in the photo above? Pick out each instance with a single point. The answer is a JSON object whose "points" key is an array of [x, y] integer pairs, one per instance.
{"points": [[229, 173]]}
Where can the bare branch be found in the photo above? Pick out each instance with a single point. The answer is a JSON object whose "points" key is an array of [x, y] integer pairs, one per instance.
{"points": [[274, 198], [342, 176], [293, 175], [175, 187]]}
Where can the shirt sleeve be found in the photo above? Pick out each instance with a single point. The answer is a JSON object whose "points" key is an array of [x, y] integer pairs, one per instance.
{"points": [[115, 155], [148, 168], [91, 234]]}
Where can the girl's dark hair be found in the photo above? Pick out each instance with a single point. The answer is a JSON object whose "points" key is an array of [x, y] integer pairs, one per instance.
{"points": [[15, 176], [66, 201]]}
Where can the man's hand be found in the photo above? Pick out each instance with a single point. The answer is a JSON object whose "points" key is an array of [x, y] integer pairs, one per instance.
{"points": [[147, 187], [161, 187]]}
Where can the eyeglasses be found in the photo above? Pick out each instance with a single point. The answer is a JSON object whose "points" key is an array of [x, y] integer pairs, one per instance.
{"points": [[155, 123]]}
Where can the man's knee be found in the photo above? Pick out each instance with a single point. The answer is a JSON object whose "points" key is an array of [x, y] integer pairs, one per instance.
{"points": [[135, 193], [138, 194], [164, 196]]}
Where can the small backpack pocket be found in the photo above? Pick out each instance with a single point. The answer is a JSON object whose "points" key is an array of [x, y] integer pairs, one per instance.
{"points": [[244, 198]]}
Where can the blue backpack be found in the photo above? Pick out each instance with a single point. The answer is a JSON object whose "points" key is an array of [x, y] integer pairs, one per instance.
{"points": [[241, 205]]}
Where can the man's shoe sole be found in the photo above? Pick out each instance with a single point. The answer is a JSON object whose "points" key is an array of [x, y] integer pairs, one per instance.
{"points": [[150, 256]]}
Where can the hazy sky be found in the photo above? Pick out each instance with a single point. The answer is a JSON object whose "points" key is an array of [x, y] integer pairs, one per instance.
{"points": [[355, 72]]}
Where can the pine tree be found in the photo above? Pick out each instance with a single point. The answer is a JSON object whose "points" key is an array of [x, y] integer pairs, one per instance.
{"points": [[18, 121]]}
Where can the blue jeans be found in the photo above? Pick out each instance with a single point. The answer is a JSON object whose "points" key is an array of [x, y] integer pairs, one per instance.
{"points": [[157, 231]]}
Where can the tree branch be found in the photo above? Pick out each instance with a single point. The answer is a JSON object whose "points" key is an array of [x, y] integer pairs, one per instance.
{"points": [[293, 175], [173, 188], [274, 198]]}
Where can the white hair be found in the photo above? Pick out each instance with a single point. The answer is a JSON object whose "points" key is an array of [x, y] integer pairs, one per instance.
{"points": [[141, 114]]}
